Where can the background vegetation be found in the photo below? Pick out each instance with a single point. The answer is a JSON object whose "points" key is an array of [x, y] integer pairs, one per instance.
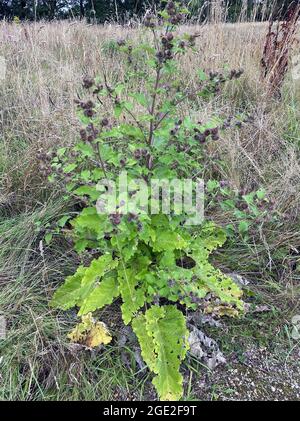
{"points": [[120, 10]]}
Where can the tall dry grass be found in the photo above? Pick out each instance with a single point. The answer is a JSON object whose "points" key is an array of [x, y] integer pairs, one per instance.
{"points": [[45, 66]]}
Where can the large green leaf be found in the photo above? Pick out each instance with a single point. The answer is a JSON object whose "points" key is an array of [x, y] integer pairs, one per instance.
{"points": [[70, 292], [210, 238], [77, 287], [89, 219], [133, 296], [168, 241], [145, 341], [97, 269], [162, 334], [102, 295]]}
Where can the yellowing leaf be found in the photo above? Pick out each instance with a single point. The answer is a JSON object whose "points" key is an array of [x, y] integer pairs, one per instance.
{"points": [[222, 310], [90, 333], [98, 335]]}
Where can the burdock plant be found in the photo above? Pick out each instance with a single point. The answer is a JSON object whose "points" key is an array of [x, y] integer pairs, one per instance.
{"points": [[155, 265]]}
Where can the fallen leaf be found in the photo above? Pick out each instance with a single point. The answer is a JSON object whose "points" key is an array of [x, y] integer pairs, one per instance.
{"points": [[204, 348], [90, 332], [221, 310]]}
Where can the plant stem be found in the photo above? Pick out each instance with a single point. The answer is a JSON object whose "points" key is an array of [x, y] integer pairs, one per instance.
{"points": [[152, 109]]}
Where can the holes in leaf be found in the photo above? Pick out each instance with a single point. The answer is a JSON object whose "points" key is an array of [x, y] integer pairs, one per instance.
{"points": [[186, 262]]}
